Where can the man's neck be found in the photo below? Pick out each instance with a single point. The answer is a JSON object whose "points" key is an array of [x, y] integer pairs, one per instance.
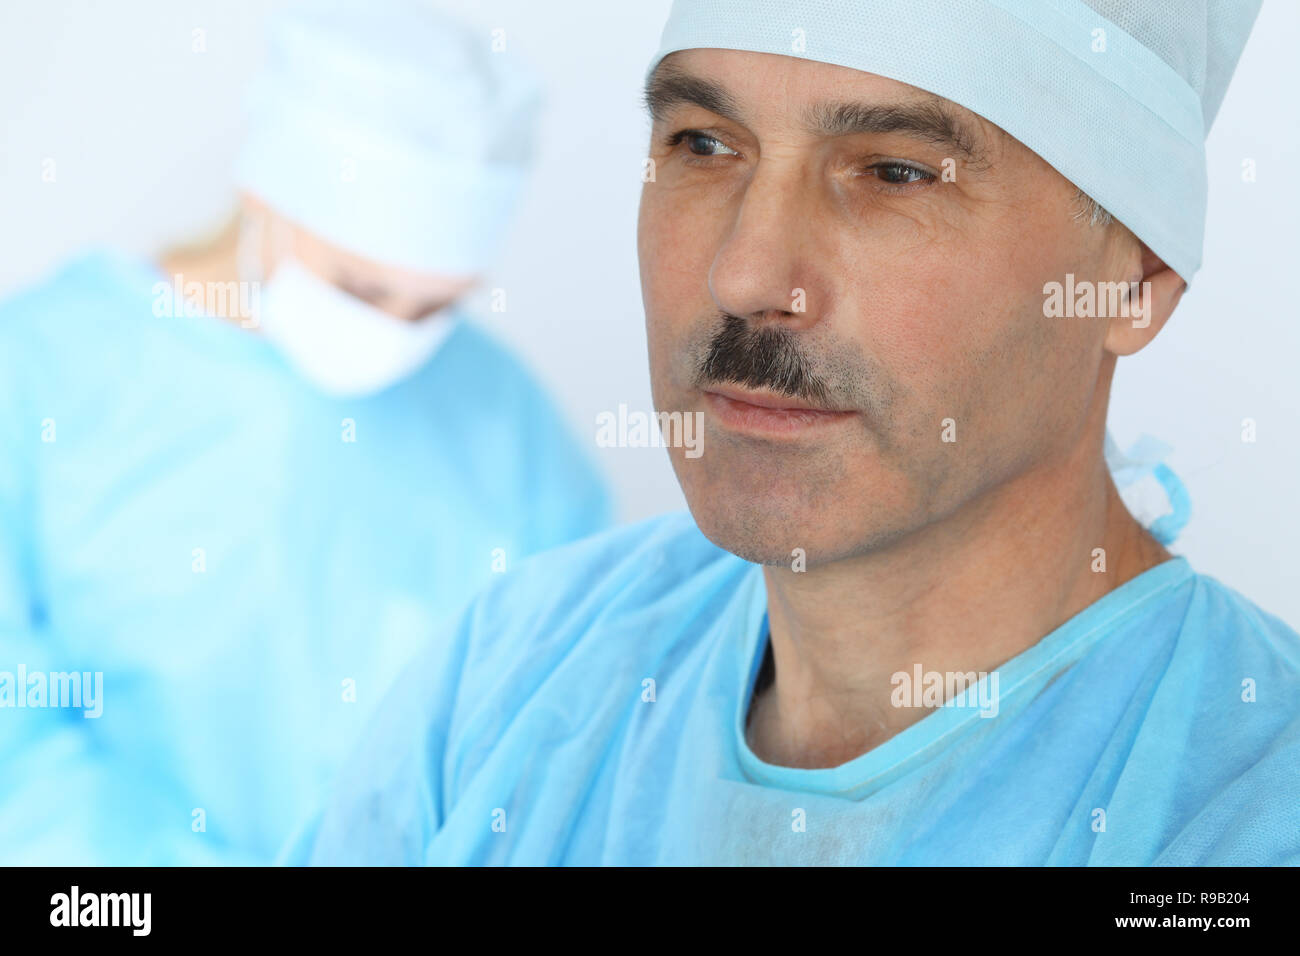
{"points": [[965, 594]]}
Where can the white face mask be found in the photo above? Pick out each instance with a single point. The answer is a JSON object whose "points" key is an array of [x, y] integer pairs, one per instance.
{"points": [[345, 346]]}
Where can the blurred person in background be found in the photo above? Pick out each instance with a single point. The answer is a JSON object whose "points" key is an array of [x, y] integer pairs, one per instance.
{"points": [[242, 483]]}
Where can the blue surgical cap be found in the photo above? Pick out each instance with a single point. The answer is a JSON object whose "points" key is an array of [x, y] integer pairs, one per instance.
{"points": [[1117, 95], [391, 131]]}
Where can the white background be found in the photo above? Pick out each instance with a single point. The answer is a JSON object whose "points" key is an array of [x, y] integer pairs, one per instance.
{"points": [[143, 131]]}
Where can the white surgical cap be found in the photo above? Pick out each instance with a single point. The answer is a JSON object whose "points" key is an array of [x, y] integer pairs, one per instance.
{"points": [[391, 131], [1117, 95]]}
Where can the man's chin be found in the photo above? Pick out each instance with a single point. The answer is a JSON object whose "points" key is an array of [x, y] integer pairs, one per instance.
{"points": [[763, 534], [791, 525], [745, 544]]}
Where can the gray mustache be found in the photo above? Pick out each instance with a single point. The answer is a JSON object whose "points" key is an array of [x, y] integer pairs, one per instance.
{"points": [[760, 358]]}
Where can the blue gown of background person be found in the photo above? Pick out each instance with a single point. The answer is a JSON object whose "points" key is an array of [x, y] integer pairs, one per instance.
{"points": [[1158, 726], [181, 512]]}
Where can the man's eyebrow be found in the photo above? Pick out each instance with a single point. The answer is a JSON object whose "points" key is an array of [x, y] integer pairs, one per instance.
{"points": [[927, 120], [670, 87]]}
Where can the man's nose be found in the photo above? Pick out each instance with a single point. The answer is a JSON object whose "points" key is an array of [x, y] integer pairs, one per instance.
{"points": [[767, 269]]}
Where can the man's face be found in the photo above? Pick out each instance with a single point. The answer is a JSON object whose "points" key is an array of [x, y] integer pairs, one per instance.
{"points": [[801, 249]]}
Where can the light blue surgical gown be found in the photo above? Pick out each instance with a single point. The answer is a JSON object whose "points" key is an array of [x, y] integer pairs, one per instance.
{"points": [[1161, 725], [246, 561]]}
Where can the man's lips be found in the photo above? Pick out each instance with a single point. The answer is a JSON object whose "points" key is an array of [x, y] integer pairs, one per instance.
{"points": [[746, 410]]}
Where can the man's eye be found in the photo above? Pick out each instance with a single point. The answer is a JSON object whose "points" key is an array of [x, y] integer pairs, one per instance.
{"points": [[701, 144], [900, 173]]}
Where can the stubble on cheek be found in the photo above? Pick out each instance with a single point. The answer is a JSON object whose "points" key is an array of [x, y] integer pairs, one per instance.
{"points": [[832, 498]]}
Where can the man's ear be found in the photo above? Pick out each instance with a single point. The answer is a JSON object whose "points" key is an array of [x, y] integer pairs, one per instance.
{"points": [[1150, 302]]}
